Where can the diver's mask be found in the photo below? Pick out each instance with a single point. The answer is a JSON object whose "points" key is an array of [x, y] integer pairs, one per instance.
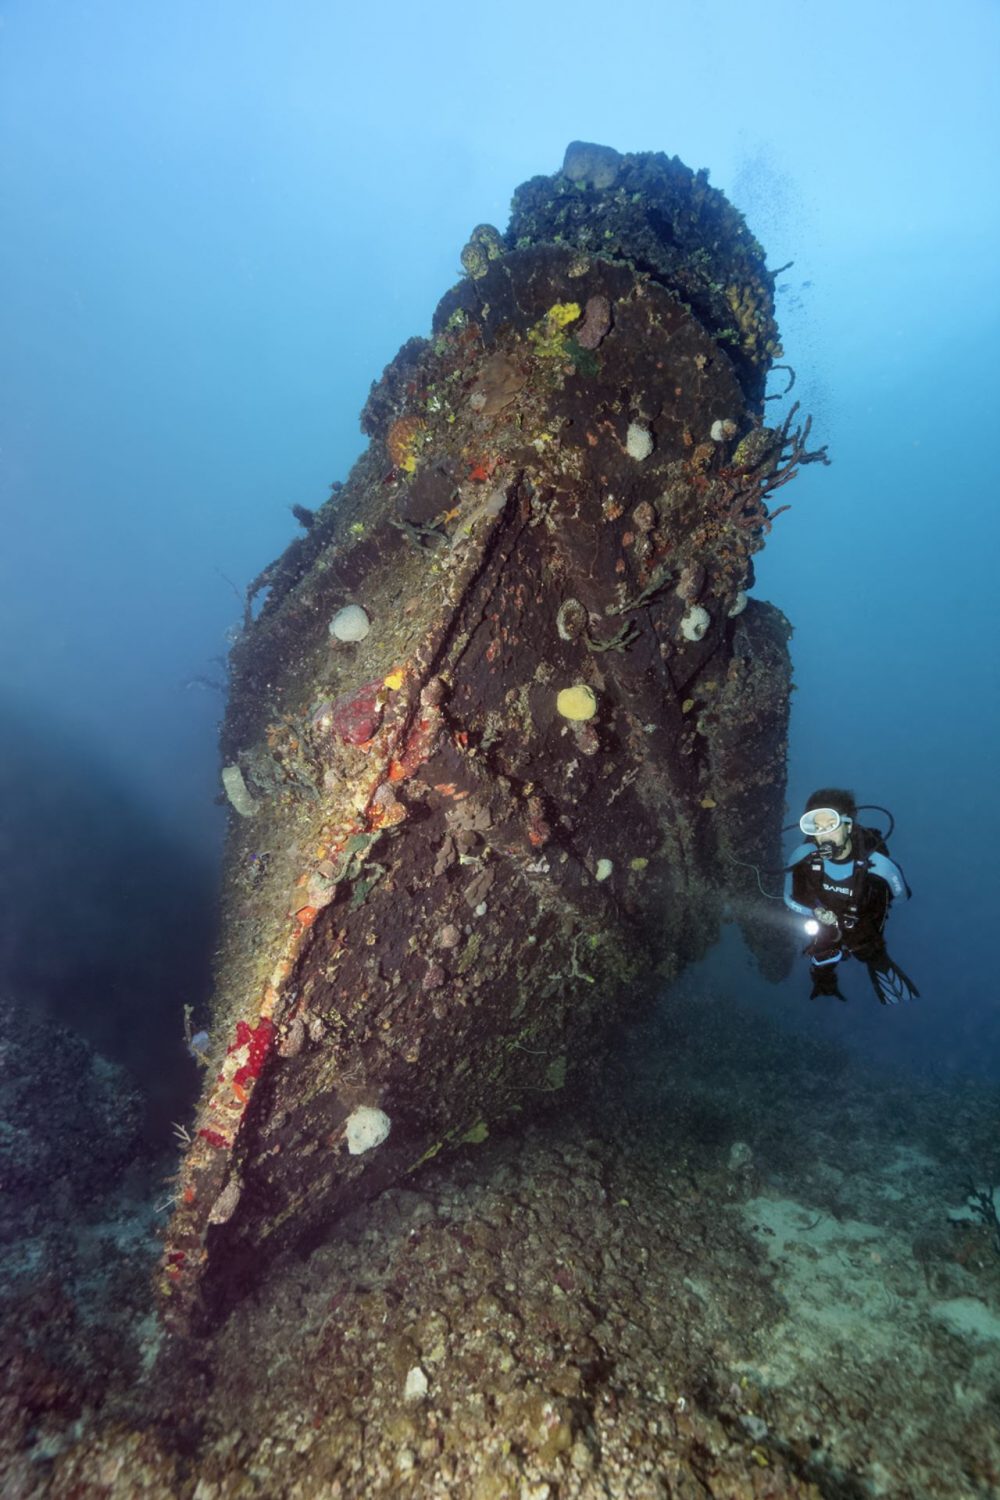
{"points": [[819, 823]]}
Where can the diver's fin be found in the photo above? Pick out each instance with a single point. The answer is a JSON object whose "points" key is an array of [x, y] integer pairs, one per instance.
{"points": [[824, 982], [816, 993], [890, 983]]}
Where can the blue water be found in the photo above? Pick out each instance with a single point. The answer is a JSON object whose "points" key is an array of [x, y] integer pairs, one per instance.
{"points": [[221, 222]]}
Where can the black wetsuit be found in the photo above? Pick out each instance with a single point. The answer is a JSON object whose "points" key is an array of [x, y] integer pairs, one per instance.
{"points": [[859, 890]]}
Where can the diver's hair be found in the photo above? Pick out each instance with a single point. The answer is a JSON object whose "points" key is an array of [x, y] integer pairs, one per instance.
{"points": [[837, 797]]}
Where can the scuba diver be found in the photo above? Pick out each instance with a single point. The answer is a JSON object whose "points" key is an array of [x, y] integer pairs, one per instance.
{"points": [[843, 881]]}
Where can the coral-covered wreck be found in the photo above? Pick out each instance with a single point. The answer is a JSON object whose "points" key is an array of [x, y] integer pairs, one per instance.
{"points": [[506, 719]]}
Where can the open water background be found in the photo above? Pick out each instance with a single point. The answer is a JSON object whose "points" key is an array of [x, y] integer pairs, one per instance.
{"points": [[220, 224]]}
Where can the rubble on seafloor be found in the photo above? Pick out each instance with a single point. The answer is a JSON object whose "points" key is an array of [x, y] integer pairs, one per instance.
{"points": [[732, 1272]]}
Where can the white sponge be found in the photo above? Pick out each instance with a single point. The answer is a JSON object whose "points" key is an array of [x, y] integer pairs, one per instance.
{"points": [[366, 1128]]}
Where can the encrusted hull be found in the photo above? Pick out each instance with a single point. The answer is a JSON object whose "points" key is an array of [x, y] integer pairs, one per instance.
{"points": [[470, 841]]}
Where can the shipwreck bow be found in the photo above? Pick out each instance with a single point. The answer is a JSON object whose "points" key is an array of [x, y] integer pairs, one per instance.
{"points": [[506, 719]]}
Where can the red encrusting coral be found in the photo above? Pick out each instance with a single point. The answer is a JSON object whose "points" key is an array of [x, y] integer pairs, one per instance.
{"points": [[355, 717], [257, 1039]]}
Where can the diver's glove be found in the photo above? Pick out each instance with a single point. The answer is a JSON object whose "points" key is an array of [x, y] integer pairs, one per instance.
{"points": [[824, 915], [824, 982], [890, 983]]}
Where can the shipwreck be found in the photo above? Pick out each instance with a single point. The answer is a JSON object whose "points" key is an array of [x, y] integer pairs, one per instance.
{"points": [[506, 725]]}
